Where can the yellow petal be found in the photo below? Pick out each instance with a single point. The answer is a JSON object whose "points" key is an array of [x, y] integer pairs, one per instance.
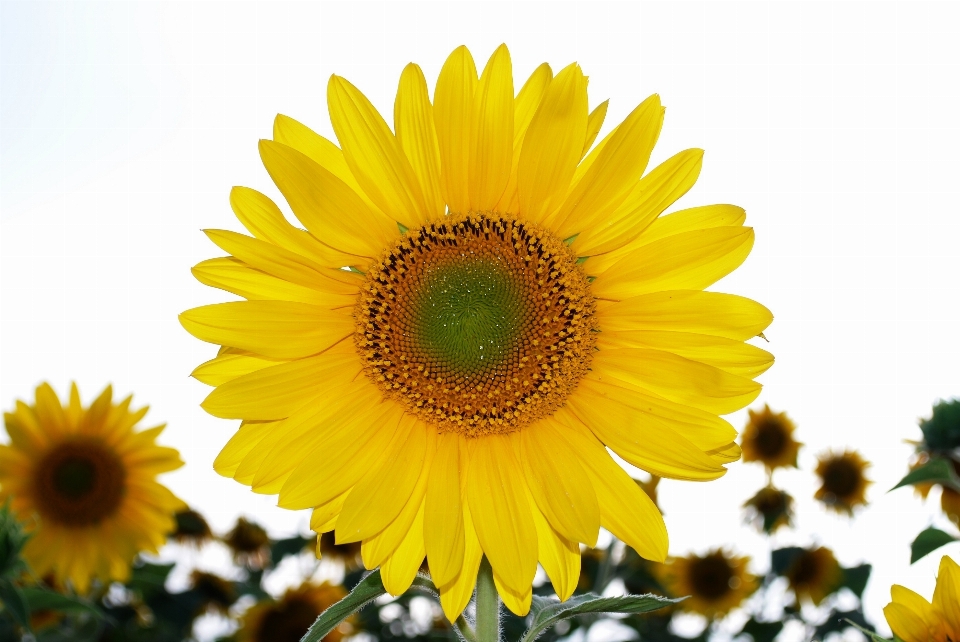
{"points": [[678, 379], [695, 218], [500, 509], [374, 156], [400, 569], [284, 264], [443, 516], [647, 442], [559, 556], [946, 595], [594, 123], [906, 624], [730, 355], [225, 367], [379, 496], [289, 132], [912, 601], [455, 595], [651, 196], [413, 120], [453, 111], [345, 453], [280, 329], [233, 275], [558, 484], [265, 221], [525, 105], [327, 206], [49, 410], [552, 145], [243, 441], [686, 261], [713, 313], [324, 517], [625, 510], [275, 392], [517, 602], [491, 143], [615, 172]]}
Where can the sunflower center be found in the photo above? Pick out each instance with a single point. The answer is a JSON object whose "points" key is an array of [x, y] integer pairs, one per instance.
{"points": [[79, 483], [841, 478], [710, 577], [287, 621], [479, 323], [771, 439]]}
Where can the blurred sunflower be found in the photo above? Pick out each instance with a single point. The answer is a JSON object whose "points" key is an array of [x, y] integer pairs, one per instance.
{"points": [[770, 509], [843, 485], [90, 477], [192, 529], [514, 304], [768, 438], [215, 594], [249, 543], [715, 583], [949, 498], [913, 619], [814, 574], [327, 548], [287, 619]]}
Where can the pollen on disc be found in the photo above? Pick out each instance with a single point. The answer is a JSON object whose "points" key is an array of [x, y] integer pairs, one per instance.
{"points": [[478, 323]]}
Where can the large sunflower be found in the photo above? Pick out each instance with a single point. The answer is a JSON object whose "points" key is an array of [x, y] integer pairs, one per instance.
{"points": [[913, 619], [89, 478], [514, 304]]}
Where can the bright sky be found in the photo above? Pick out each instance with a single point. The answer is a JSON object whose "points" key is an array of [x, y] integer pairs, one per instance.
{"points": [[124, 125]]}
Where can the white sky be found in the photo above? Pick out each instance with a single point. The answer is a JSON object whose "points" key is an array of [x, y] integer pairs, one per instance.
{"points": [[124, 125]]}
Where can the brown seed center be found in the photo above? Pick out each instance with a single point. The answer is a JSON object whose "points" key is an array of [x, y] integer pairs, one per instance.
{"points": [[79, 483]]}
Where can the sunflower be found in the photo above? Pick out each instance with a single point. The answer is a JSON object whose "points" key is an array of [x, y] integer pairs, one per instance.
{"points": [[249, 543], [482, 301], [913, 619], [770, 509], [192, 529], [287, 619], [768, 438], [949, 498], [327, 548], [89, 477], [214, 593], [814, 574], [843, 485], [715, 583]]}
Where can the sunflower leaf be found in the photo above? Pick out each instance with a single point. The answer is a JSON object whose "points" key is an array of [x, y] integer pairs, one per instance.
{"points": [[935, 471], [11, 598], [44, 599], [855, 578], [548, 612], [871, 635], [928, 541], [366, 590]]}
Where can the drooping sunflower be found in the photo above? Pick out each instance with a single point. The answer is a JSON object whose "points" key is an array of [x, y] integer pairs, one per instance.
{"points": [[249, 543], [481, 303], [192, 529], [768, 438], [90, 478], [913, 619], [327, 548], [287, 619], [843, 485], [715, 582], [814, 574]]}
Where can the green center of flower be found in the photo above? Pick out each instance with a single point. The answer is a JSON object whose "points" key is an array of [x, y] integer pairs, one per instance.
{"points": [[477, 323]]}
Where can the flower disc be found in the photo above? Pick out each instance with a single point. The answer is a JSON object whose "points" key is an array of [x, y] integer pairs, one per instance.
{"points": [[79, 483], [479, 324]]}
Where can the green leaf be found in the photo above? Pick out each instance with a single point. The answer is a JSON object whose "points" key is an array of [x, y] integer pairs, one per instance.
{"points": [[12, 600], [928, 541], [855, 578], [783, 558], [547, 612], [762, 631], [935, 471], [367, 590], [44, 599]]}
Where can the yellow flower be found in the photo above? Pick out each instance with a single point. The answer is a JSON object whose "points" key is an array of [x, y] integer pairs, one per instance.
{"points": [[89, 477], [715, 583], [514, 305], [814, 574], [768, 438], [913, 619], [287, 619], [843, 485]]}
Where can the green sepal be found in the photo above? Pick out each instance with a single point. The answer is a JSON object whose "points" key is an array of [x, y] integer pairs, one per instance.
{"points": [[547, 612], [935, 471], [928, 541], [12, 599]]}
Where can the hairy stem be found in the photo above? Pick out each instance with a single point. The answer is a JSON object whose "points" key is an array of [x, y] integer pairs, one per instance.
{"points": [[488, 605]]}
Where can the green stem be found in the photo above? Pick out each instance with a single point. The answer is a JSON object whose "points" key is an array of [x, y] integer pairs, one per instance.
{"points": [[488, 605]]}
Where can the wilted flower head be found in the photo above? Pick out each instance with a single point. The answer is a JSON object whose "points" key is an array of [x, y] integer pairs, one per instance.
{"points": [[215, 593], [814, 574], [249, 543], [192, 528], [770, 509], [287, 619]]}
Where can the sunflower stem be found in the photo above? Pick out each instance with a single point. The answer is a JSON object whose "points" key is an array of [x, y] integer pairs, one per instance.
{"points": [[488, 605]]}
